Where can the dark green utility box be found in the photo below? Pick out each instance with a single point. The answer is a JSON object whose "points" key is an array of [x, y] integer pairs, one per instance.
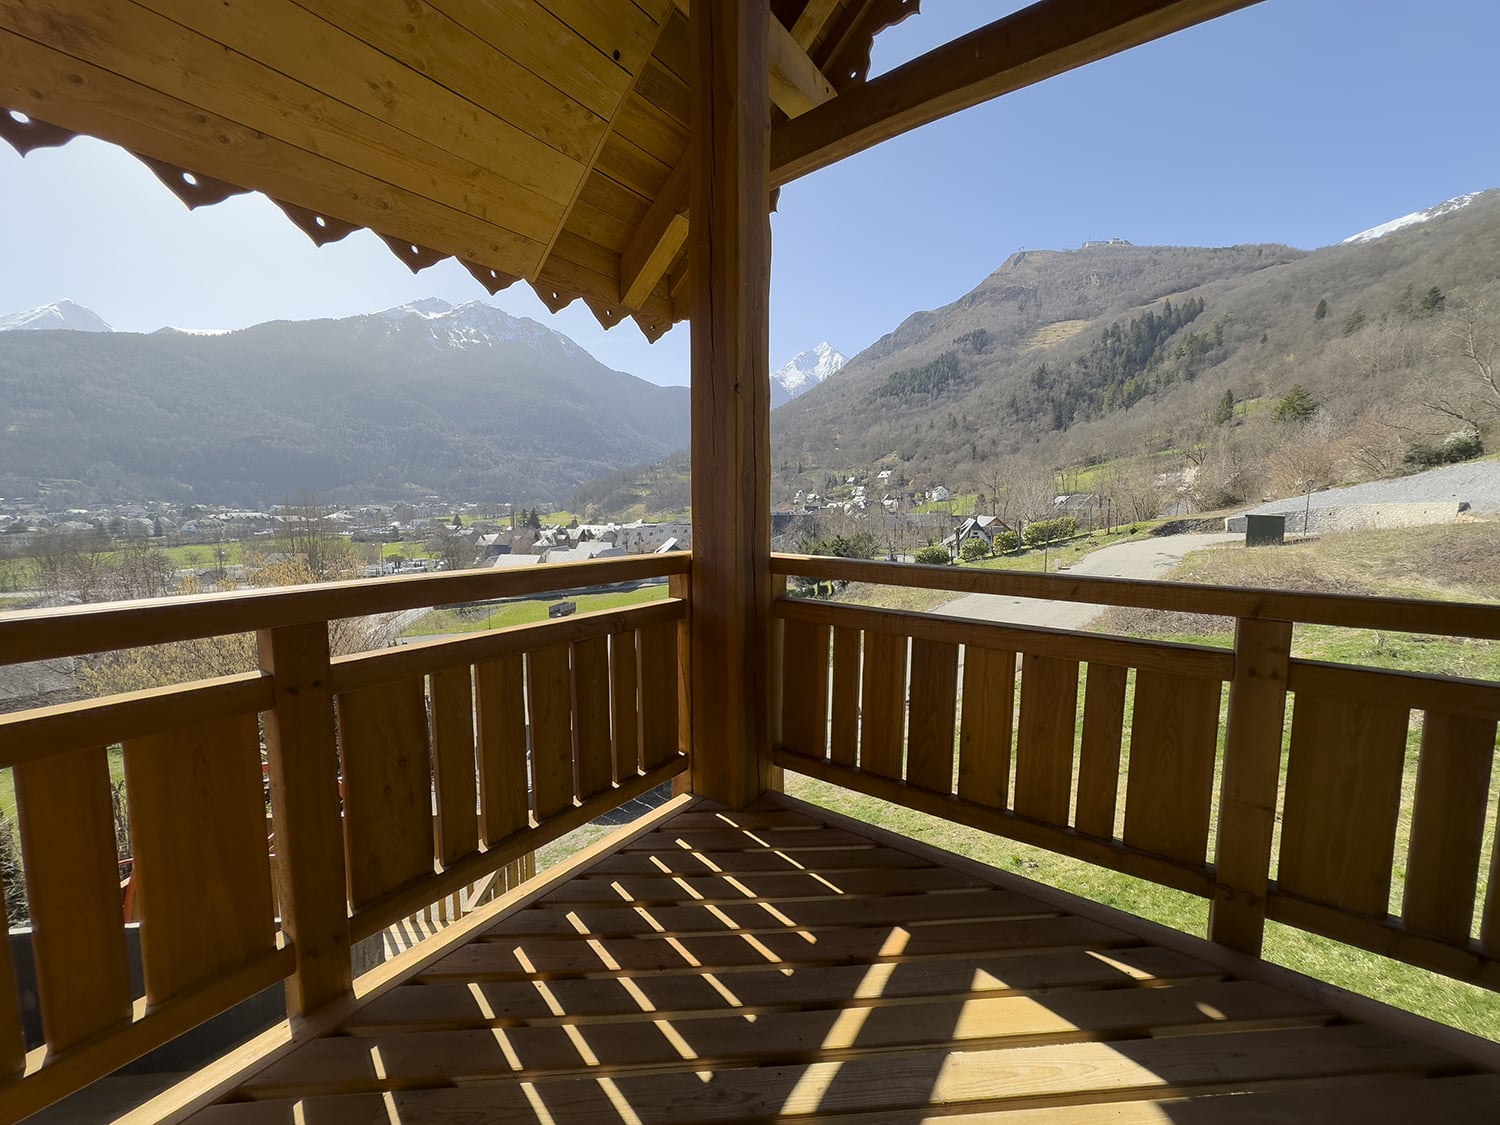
{"points": [[1265, 531]]}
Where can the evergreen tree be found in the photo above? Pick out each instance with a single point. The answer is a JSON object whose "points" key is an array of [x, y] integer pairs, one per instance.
{"points": [[1225, 410], [1298, 405], [1433, 301], [1354, 322], [1322, 310]]}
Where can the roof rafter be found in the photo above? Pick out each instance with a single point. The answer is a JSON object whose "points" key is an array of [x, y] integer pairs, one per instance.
{"points": [[1020, 50], [660, 11]]}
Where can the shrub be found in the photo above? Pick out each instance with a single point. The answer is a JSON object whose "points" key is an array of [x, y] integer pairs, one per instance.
{"points": [[1006, 542], [1461, 446], [974, 548], [934, 556], [1050, 531]]}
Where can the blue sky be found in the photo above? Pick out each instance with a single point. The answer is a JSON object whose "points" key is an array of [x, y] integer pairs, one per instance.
{"points": [[1296, 121]]}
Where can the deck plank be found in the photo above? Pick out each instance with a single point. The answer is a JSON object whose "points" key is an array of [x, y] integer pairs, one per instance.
{"points": [[516, 958], [839, 910], [684, 861], [741, 991], [1019, 1077], [748, 966], [777, 885], [345, 1063]]}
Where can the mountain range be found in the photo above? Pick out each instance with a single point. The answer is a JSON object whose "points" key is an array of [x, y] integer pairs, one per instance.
{"points": [[1157, 367], [1059, 358], [462, 400]]}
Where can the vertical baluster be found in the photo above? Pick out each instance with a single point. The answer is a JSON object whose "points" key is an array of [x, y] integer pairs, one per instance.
{"points": [[986, 728], [304, 771], [73, 883], [1447, 828], [934, 699], [1099, 750], [549, 693], [591, 715], [453, 763], [1044, 746], [501, 729]]}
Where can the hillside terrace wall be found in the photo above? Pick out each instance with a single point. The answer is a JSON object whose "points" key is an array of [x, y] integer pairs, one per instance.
{"points": [[1362, 517]]}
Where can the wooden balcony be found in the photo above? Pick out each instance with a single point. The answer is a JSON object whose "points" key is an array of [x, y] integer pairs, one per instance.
{"points": [[712, 964]]}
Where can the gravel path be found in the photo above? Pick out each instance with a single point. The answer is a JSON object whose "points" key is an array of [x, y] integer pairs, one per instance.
{"points": [[1143, 558], [1476, 483]]}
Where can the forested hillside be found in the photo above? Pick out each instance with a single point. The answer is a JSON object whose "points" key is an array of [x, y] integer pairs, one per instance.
{"points": [[1217, 374]]}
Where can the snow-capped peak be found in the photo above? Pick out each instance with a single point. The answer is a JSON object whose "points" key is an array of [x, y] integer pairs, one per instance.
{"points": [[804, 371], [65, 315], [1447, 207], [476, 324]]}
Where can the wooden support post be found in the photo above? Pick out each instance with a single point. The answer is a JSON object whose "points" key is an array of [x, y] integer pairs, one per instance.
{"points": [[730, 253], [1252, 774], [304, 769], [776, 776], [681, 586]]}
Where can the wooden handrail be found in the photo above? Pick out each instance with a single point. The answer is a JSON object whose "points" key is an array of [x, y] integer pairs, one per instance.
{"points": [[45, 731], [1412, 615], [45, 634]]}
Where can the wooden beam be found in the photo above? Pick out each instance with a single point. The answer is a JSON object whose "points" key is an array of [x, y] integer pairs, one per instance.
{"points": [[731, 448], [1020, 50], [660, 11], [797, 85], [658, 239]]}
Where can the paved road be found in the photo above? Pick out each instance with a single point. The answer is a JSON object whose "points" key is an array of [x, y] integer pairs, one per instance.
{"points": [[1143, 558]]}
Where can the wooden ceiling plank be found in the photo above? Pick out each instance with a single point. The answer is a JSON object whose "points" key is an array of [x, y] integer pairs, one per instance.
{"points": [[666, 92], [155, 52], [102, 104], [599, 226], [303, 47], [629, 164], [419, 36], [610, 26], [658, 239], [606, 142], [651, 130], [1024, 48], [554, 49], [615, 200]]}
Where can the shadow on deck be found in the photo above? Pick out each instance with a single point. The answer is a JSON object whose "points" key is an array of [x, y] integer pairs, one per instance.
{"points": [[785, 963]]}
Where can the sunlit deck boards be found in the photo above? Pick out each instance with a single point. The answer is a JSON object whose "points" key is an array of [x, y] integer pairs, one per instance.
{"points": [[735, 967]]}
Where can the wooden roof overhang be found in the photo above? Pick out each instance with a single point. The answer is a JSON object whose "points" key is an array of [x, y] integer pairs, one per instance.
{"points": [[544, 140]]}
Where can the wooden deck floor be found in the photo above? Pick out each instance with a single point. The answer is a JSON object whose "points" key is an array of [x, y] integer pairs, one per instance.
{"points": [[772, 965]]}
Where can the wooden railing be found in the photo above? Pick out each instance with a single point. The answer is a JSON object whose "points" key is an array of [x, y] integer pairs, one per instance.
{"points": [[921, 710], [396, 778]]}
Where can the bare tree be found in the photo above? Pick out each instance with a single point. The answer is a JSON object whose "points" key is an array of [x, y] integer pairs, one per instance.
{"points": [[1467, 355]]}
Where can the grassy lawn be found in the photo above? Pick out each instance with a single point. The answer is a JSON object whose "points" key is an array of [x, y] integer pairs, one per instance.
{"points": [[504, 614]]}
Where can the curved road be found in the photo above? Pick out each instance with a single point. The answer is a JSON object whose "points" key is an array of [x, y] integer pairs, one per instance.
{"points": [[1143, 558]]}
